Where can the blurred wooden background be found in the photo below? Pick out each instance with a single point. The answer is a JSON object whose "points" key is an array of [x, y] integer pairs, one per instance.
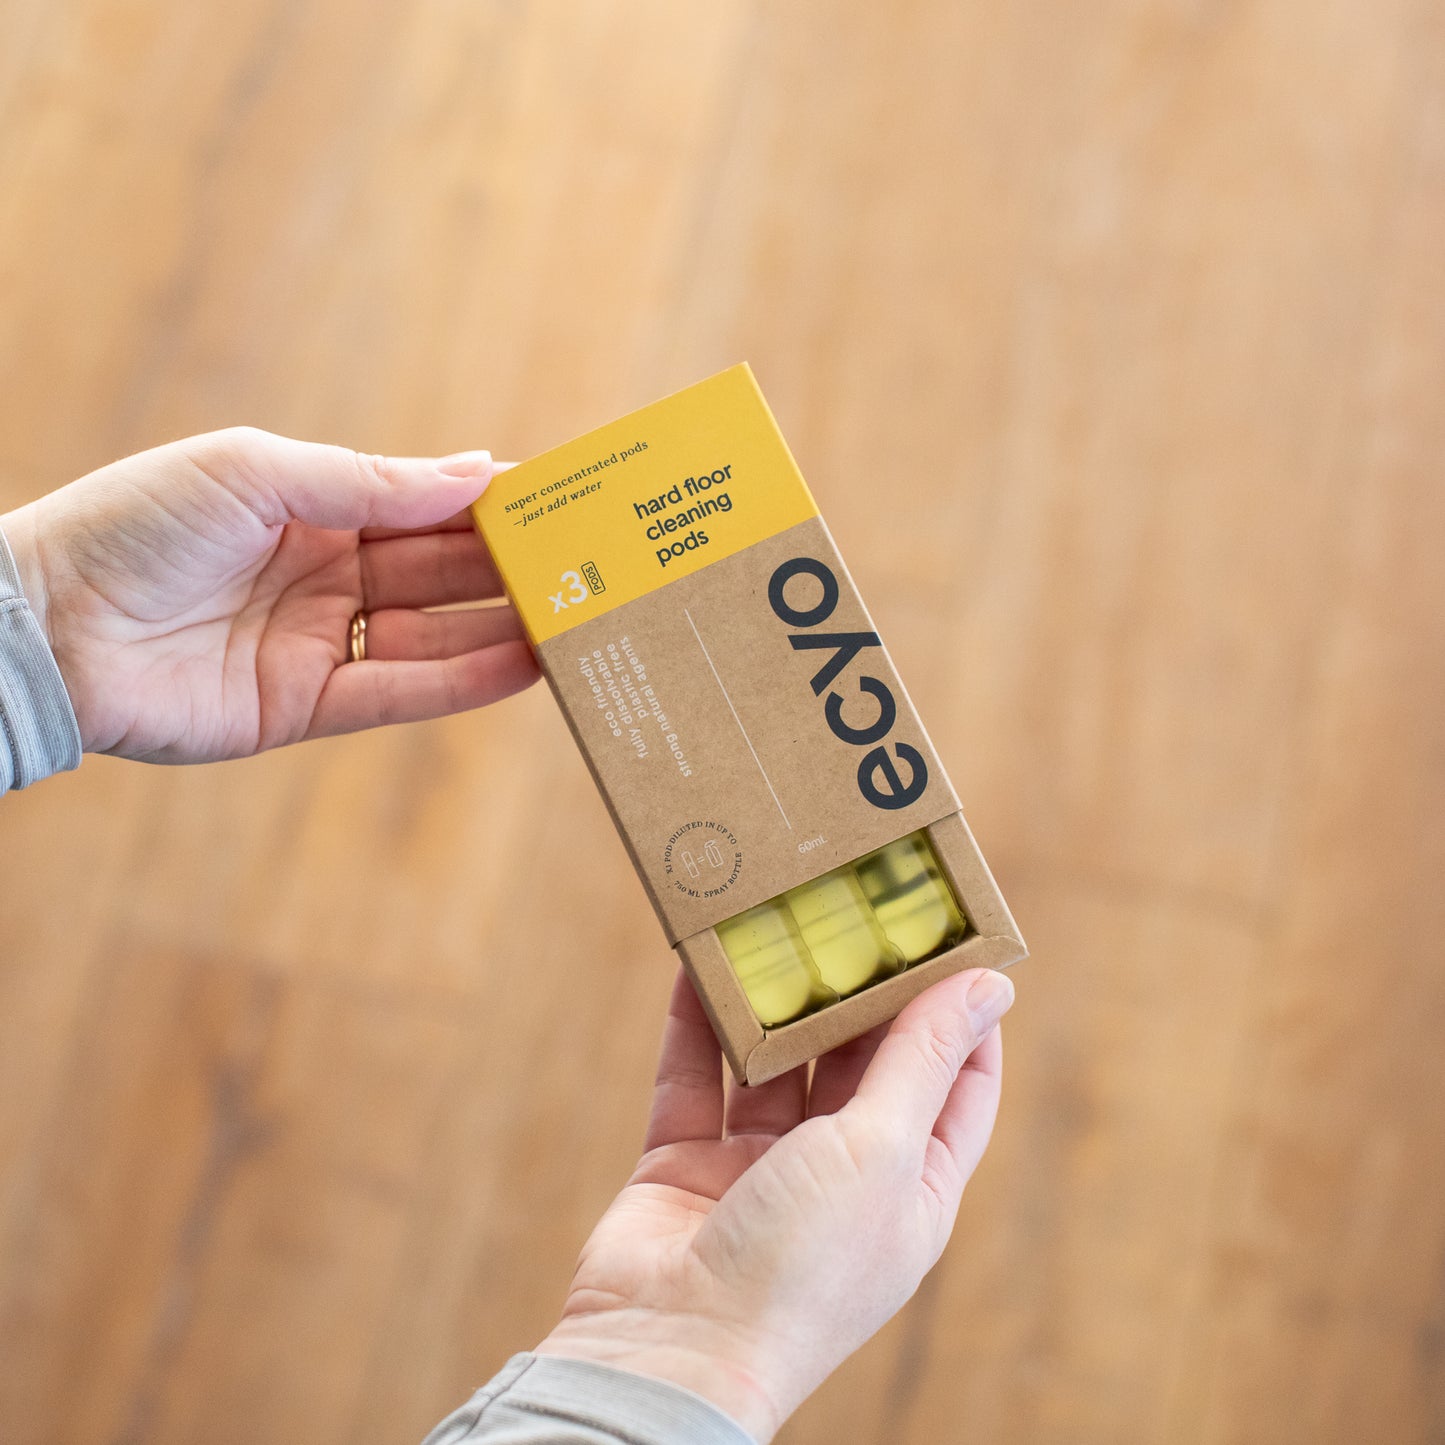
{"points": [[1112, 338]]}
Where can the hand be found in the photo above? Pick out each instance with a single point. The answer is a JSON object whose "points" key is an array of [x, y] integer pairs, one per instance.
{"points": [[198, 597], [760, 1243]]}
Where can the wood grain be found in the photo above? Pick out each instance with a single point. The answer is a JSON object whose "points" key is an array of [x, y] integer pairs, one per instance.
{"points": [[1112, 339]]}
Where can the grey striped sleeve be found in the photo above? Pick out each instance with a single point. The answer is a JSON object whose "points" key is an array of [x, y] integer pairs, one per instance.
{"points": [[38, 733], [551, 1400]]}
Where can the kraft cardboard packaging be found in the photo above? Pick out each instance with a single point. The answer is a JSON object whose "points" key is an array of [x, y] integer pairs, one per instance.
{"points": [[738, 712]]}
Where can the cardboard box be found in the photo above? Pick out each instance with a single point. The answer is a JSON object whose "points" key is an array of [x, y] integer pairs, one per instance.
{"points": [[729, 692]]}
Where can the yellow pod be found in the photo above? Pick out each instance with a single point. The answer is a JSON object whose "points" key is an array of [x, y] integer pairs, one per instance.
{"points": [[847, 945], [772, 964], [911, 899]]}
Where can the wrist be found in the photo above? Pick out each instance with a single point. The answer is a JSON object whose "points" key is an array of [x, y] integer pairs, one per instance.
{"points": [[25, 533], [19, 528], [708, 1361], [41, 736]]}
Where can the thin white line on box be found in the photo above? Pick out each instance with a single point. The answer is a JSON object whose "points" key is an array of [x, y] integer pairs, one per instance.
{"points": [[734, 712]]}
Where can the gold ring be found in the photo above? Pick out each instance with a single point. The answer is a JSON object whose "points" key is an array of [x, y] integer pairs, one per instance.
{"points": [[358, 637]]}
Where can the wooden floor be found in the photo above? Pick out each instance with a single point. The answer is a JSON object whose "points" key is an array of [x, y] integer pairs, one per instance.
{"points": [[1112, 338]]}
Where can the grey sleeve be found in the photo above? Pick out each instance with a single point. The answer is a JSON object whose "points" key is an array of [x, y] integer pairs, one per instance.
{"points": [[38, 733], [549, 1400]]}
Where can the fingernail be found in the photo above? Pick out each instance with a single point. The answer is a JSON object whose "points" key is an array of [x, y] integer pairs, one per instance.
{"points": [[466, 464], [989, 999]]}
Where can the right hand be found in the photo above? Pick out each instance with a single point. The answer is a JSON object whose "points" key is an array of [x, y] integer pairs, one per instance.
{"points": [[760, 1242]]}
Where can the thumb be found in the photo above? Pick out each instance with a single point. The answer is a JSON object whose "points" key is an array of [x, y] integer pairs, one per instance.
{"points": [[327, 486], [910, 1077]]}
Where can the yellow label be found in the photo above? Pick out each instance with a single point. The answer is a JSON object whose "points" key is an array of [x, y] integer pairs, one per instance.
{"points": [[652, 497]]}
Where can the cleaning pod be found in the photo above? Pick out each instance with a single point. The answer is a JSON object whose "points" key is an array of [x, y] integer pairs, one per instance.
{"points": [[771, 961], [911, 899], [841, 932]]}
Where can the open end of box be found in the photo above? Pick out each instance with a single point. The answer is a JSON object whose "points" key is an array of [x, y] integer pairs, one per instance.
{"points": [[784, 1048], [756, 1054]]}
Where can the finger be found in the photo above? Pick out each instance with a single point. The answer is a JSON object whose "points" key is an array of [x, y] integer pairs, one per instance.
{"points": [[399, 635], [909, 1080], [772, 1108], [459, 522], [373, 694], [964, 1126], [687, 1098], [427, 571], [836, 1074], [327, 486]]}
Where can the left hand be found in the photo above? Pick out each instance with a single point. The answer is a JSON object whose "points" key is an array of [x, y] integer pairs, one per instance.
{"points": [[198, 597], [761, 1241]]}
